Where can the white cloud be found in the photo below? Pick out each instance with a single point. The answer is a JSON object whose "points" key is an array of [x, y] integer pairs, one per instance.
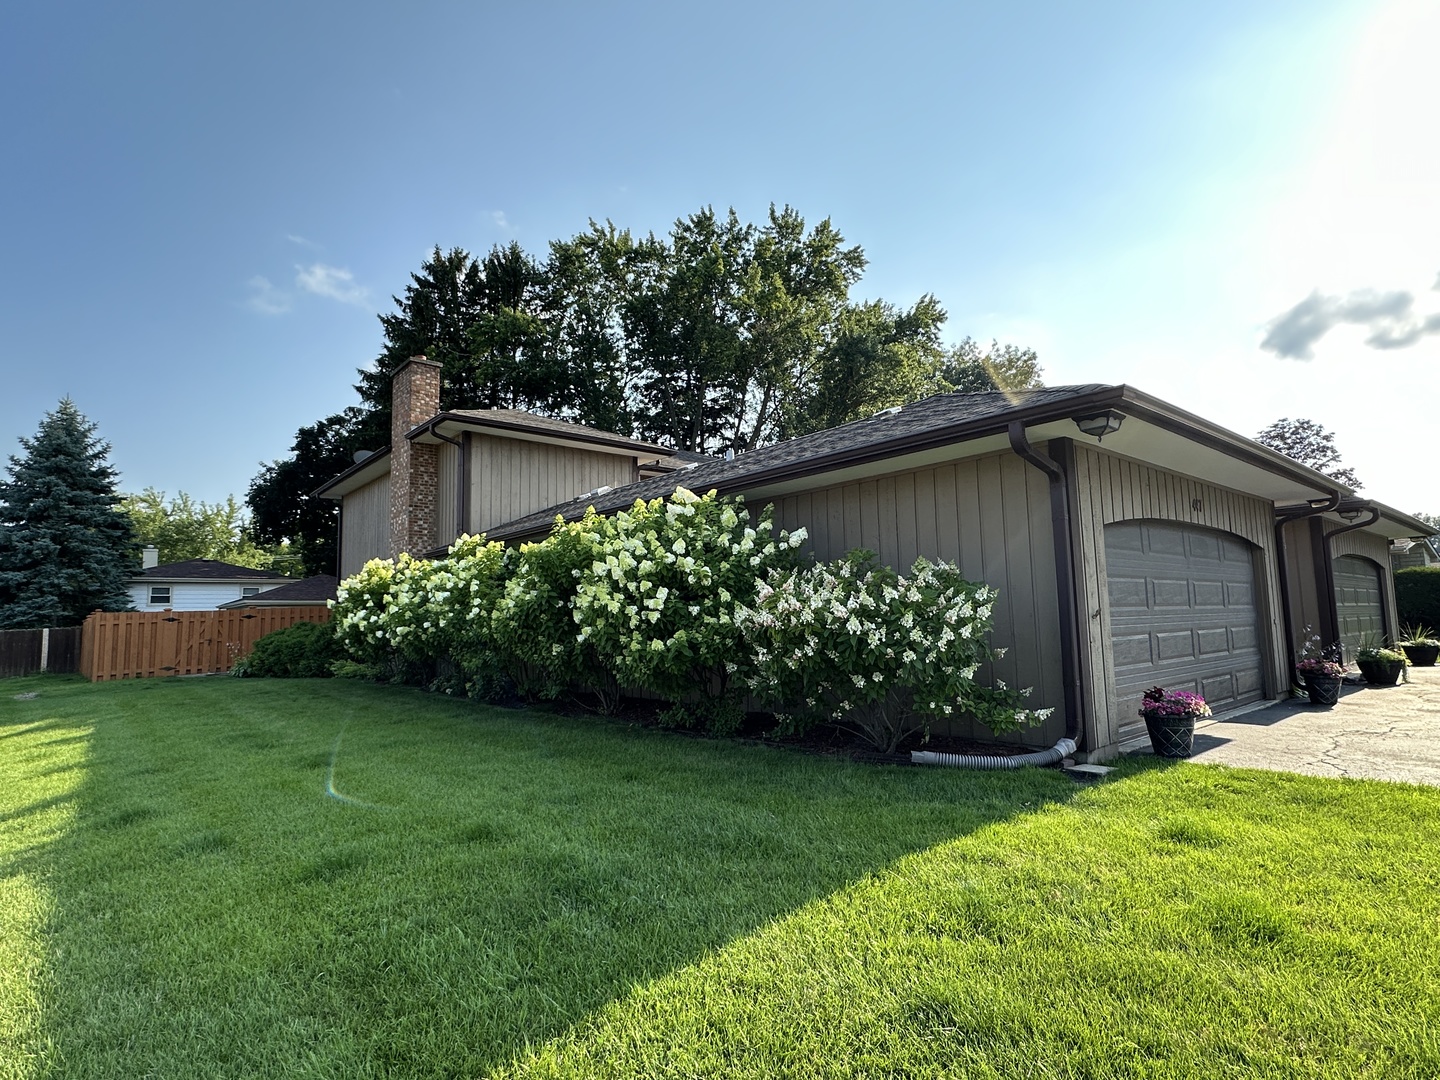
{"points": [[265, 298], [300, 241], [331, 282], [498, 216]]}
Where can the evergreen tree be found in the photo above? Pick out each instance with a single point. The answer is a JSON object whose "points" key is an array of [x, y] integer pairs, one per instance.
{"points": [[65, 547]]}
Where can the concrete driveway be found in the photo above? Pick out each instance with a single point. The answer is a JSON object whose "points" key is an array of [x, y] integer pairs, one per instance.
{"points": [[1378, 734]]}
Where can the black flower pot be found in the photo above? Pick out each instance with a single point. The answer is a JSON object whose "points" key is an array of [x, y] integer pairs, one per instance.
{"points": [[1381, 672], [1323, 689], [1422, 655], [1171, 736]]}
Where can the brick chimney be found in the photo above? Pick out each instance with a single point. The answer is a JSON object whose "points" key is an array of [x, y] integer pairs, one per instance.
{"points": [[414, 467]]}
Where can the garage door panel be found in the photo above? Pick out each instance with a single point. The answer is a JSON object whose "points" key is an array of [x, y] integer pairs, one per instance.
{"points": [[1358, 607], [1209, 593], [1218, 689], [1129, 593], [1132, 650], [1199, 628], [1170, 593], [1164, 542], [1203, 547], [1174, 645], [1213, 641]]}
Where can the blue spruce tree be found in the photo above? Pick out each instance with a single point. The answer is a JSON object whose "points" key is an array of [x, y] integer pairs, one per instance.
{"points": [[65, 548]]}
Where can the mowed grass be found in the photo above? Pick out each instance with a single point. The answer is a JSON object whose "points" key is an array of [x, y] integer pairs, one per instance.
{"points": [[326, 879]]}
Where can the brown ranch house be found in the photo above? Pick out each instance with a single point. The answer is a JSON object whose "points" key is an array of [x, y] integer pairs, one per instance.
{"points": [[1132, 543]]}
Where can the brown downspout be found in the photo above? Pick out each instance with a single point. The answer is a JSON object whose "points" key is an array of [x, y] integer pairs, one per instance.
{"points": [[1283, 569], [1064, 579], [1327, 545]]}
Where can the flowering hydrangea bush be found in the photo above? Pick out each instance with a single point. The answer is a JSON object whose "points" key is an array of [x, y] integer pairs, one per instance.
{"points": [[1158, 701], [424, 611], [533, 624], [359, 606], [659, 599], [877, 653]]}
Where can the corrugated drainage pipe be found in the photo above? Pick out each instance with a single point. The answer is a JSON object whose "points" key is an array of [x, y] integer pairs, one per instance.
{"points": [[1057, 753]]}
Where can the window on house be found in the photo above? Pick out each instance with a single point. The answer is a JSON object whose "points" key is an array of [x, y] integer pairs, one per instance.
{"points": [[160, 594], [249, 590]]}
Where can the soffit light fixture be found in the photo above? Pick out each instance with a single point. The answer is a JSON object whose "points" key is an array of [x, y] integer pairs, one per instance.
{"points": [[1351, 515], [1101, 424]]}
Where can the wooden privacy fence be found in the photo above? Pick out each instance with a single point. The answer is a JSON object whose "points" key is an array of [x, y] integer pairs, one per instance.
{"points": [[26, 652], [144, 644]]}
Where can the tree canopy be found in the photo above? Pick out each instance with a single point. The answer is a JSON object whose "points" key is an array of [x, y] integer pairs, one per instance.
{"points": [[186, 528], [717, 334], [65, 546], [1310, 444]]}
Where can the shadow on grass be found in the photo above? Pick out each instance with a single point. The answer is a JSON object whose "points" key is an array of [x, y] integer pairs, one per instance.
{"points": [[505, 874]]}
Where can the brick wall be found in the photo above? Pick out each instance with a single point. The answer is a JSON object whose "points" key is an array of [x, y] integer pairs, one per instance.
{"points": [[414, 468]]}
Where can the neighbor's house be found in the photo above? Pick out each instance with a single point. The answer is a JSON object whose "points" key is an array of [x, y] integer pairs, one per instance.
{"points": [[195, 584], [1407, 553], [315, 591], [1132, 543]]}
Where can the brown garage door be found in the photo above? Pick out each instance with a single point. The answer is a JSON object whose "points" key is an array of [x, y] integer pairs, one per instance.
{"points": [[1357, 602], [1182, 615]]}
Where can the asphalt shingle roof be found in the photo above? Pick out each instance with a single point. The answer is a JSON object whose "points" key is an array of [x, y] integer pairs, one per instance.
{"points": [[210, 569], [933, 414], [544, 424], [309, 590]]}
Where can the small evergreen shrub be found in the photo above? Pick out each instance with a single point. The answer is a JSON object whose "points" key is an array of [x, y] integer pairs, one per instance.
{"points": [[1417, 595], [303, 651]]}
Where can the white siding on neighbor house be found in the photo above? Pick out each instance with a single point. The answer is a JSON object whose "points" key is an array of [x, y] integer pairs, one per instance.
{"points": [[191, 596]]}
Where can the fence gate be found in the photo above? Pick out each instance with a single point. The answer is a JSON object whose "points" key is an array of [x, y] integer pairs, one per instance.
{"points": [[145, 644]]}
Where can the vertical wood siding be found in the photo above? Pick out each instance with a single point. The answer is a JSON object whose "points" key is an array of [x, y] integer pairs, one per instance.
{"points": [[991, 517], [447, 471], [1306, 619], [1306, 584], [1107, 489], [510, 478], [365, 525]]}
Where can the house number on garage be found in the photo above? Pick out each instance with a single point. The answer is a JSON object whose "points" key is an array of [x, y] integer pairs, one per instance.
{"points": [[1196, 505]]}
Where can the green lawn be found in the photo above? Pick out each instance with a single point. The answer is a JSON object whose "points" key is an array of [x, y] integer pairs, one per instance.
{"points": [[219, 877]]}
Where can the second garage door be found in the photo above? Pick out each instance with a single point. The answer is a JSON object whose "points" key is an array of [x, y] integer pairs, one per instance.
{"points": [[1183, 615], [1358, 603]]}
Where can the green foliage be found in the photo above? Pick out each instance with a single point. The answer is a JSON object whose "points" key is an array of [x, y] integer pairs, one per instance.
{"points": [[282, 507], [533, 626], [305, 650], [1417, 595], [413, 615], [659, 600], [1310, 444], [875, 652], [1001, 367], [65, 547], [185, 528]]}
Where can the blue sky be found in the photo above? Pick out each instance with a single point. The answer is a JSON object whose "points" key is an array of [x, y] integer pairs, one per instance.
{"points": [[1229, 205]]}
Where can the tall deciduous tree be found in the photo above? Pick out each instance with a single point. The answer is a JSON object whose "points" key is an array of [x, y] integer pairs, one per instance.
{"points": [[282, 506], [970, 367], [186, 528], [65, 546], [1310, 444]]}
